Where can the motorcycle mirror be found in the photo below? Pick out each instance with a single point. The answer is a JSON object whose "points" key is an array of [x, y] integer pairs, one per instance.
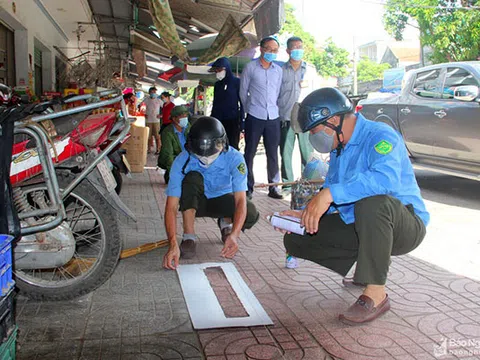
{"points": [[5, 93]]}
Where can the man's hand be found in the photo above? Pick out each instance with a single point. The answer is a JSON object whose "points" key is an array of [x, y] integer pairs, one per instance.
{"points": [[315, 209], [159, 116], [171, 258], [231, 246]]}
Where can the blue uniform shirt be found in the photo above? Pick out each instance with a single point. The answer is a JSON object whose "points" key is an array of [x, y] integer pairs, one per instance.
{"points": [[181, 137], [374, 162], [227, 174]]}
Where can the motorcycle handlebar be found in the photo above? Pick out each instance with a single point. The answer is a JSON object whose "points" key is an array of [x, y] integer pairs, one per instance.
{"points": [[75, 110]]}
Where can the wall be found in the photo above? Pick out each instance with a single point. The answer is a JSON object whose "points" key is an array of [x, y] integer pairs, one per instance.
{"points": [[33, 26]]}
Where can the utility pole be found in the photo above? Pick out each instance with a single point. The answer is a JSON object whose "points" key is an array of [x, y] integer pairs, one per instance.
{"points": [[355, 85]]}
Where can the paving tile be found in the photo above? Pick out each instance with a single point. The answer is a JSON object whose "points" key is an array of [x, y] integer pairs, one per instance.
{"points": [[140, 312]]}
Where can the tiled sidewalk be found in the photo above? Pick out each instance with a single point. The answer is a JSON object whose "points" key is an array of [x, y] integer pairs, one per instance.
{"points": [[428, 304], [140, 312]]}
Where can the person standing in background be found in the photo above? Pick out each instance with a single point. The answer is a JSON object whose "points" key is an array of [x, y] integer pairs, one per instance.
{"points": [[297, 82], [227, 106], [259, 89], [173, 139], [152, 118], [168, 105]]}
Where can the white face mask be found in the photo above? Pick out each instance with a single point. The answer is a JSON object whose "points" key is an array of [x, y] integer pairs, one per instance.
{"points": [[183, 122], [221, 75], [206, 161]]}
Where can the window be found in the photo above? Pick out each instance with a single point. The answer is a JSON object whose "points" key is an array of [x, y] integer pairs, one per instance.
{"points": [[426, 84], [456, 77], [7, 56]]}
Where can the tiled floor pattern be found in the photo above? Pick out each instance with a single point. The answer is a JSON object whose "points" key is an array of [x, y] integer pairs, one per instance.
{"points": [[140, 312]]}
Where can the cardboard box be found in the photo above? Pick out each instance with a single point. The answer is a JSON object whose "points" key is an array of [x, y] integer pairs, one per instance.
{"points": [[137, 146]]}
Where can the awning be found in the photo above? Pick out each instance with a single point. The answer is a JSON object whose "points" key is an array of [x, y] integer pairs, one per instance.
{"points": [[191, 19], [142, 40]]}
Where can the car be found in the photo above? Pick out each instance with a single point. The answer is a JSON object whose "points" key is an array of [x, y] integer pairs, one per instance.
{"points": [[438, 115]]}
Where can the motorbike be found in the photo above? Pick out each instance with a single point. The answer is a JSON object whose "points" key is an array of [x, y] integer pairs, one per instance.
{"points": [[118, 162], [64, 193]]}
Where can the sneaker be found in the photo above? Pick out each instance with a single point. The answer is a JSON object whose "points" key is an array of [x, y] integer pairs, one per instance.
{"points": [[291, 262], [188, 248]]}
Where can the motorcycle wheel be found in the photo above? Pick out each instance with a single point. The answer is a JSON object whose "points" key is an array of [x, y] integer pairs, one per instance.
{"points": [[98, 245], [118, 178]]}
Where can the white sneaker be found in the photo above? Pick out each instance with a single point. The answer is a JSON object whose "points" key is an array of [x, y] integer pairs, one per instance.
{"points": [[291, 262]]}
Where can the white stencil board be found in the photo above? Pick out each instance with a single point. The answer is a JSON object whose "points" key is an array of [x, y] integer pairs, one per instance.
{"points": [[203, 305]]}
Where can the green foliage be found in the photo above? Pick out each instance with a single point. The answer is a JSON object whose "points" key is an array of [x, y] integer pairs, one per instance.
{"points": [[450, 27], [332, 61], [368, 70]]}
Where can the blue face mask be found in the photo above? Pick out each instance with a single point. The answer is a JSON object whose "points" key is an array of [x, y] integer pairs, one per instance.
{"points": [[269, 57], [297, 54], [321, 141], [152, 96], [183, 122]]}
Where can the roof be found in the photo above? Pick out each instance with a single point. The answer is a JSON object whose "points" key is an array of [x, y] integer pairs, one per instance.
{"points": [[404, 54], [193, 19]]}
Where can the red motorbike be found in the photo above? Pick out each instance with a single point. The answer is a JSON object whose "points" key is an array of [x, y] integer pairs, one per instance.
{"points": [[64, 193]]}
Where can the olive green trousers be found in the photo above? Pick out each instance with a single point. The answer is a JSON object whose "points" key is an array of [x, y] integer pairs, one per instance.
{"points": [[383, 227]]}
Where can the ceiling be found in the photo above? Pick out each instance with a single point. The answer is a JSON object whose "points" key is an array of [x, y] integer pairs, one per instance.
{"points": [[193, 18], [122, 23]]}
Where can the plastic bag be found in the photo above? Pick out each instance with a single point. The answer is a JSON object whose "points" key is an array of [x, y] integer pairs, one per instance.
{"points": [[304, 190]]}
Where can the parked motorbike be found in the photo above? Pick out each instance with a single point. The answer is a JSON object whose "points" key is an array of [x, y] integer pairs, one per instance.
{"points": [[118, 163], [65, 197]]}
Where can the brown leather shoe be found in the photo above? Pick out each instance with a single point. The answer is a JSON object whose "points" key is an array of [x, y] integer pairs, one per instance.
{"points": [[364, 310], [188, 249], [349, 282]]}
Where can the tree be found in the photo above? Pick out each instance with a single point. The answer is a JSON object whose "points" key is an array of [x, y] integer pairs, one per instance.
{"points": [[450, 27], [368, 70], [332, 61]]}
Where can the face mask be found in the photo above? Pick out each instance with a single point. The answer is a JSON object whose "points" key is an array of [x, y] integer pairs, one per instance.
{"points": [[321, 141], [152, 96], [297, 54], [206, 161], [221, 75], [269, 57], [183, 122]]}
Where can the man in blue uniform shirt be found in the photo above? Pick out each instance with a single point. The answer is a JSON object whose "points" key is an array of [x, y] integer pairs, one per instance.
{"points": [[370, 207], [208, 179]]}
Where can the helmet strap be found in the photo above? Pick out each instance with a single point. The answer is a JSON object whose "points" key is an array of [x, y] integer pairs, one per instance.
{"points": [[338, 130], [186, 163]]}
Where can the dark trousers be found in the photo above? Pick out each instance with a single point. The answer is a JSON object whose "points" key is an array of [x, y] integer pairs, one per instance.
{"points": [[232, 127], [193, 197], [270, 130], [287, 143], [383, 227]]}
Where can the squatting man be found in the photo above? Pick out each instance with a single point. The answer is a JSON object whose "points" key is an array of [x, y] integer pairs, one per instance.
{"points": [[208, 179], [370, 207]]}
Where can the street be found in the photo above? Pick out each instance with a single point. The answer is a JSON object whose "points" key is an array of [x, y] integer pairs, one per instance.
{"points": [[453, 235]]}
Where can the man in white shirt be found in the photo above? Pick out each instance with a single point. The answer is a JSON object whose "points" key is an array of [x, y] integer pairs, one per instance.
{"points": [[152, 118]]}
